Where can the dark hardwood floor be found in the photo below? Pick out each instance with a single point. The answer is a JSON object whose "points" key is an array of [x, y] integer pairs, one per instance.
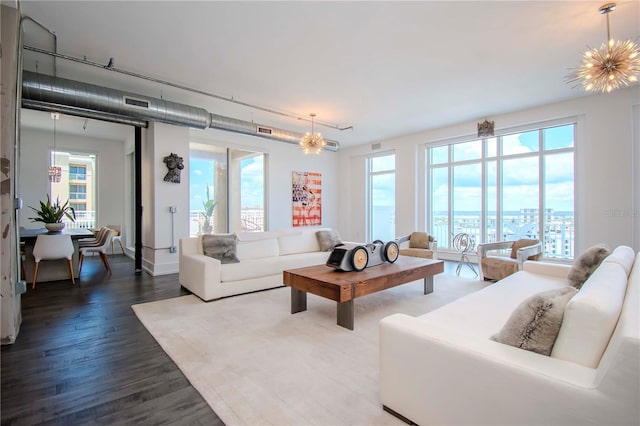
{"points": [[82, 356]]}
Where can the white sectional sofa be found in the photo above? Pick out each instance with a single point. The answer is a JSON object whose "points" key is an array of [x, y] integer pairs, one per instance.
{"points": [[263, 256], [442, 367]]}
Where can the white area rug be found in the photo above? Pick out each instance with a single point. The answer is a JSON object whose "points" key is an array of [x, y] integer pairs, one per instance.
{"points": [[256, 364]]}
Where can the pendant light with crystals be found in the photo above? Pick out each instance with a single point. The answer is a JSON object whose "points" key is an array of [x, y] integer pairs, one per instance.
{"points": [[614, 65], [312, 143]]}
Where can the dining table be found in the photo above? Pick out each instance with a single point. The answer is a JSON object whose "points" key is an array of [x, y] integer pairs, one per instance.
{"points": [[50, 270]]}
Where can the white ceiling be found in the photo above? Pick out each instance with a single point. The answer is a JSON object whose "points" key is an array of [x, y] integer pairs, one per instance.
{"points": [[387, 68]]}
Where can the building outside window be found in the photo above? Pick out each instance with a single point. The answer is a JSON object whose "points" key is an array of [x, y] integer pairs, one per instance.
{"points": [[517, 185], [381, 196], [77, 172], [77, 192], [77, 185]]}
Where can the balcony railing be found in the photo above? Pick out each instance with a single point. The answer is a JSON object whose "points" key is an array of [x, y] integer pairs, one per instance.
{"points": [[84, 219], [250, 220], [558, 235]]}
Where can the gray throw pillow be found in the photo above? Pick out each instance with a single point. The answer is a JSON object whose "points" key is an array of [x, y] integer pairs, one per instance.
{"points": [[221, 247], [328, 239], [586, 263], [534, 325]]}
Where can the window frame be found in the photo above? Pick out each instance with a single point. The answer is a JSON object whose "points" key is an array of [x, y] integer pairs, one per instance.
{"points": [[541, 154], [368, 196]]}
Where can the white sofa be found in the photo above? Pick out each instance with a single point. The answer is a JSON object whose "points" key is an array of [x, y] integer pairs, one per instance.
{"points": [[442, 368], [263, 256]]}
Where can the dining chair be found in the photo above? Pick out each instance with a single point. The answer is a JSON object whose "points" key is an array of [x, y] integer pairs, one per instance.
{"points": [[117, 238], [95, 240], [100, 248], [50, 247]]}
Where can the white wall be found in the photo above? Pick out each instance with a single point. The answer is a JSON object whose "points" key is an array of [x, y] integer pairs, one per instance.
{"points": [[34, 181], [161, 228], [604, 168]]}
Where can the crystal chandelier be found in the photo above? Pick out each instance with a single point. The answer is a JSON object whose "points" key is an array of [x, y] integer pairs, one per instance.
{"points": [[54, 172], [312, 143], [615, 64]]}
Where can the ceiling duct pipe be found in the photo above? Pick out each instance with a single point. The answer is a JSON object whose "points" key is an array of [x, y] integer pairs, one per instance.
{"points": [[40, 89]]}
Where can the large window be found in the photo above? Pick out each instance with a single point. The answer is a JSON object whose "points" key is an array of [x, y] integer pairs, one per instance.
{"points": [[381, 191], [227, 190], [77, 185], [252, 192], [518, 185]]}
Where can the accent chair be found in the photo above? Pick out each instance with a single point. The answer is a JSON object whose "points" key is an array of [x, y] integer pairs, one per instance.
{"points": [[497, 267]]}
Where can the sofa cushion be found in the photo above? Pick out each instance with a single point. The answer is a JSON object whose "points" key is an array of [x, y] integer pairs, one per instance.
{"points": [[535, 323], [258, 248], [300, 242], [586, 263], [523, 243], [221, 247], [255, 236], [268, 266], [479, 315], [623, 256], [591, 316], [420, 240], [328, 239]]}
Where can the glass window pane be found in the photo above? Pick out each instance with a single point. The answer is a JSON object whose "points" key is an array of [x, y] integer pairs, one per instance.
{"points": [[252, 192], [383, 207], [467, 151], [559, 205], [558, 137], [381, 200], [520, 198], [384, 163], [520, 143], [76, 167], [78, 207], [440, 205], [208, 190], [467, 199], [439, 154], [491, 185], [492, 147]]}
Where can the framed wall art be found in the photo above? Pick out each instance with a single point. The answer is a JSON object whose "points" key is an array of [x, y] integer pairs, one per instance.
{"points": [[306, 195]]}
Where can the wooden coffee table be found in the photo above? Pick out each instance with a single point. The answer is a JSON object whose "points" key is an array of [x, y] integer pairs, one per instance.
{"points": [[345, 287]]}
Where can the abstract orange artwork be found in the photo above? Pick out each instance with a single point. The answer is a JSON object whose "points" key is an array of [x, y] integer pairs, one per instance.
{"points": [[307, 198]]}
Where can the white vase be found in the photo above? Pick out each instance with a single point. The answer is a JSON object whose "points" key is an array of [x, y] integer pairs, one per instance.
{"points": [[54, 227]]}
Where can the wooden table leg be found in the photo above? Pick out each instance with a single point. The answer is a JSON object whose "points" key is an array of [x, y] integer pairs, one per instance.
{"points": [[298, 300], [345, 314]]}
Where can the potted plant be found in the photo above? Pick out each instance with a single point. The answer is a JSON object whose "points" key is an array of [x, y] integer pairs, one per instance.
{"points": [[51, 214], [208, 205]]}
